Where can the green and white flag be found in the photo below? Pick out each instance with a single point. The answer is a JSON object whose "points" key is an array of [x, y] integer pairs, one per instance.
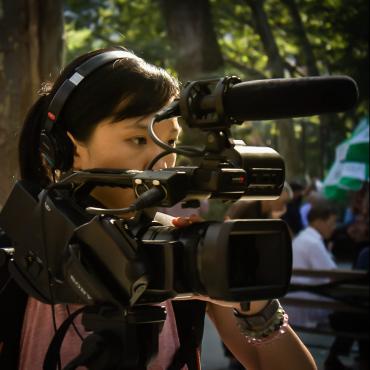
{"points": [[351, 166]]}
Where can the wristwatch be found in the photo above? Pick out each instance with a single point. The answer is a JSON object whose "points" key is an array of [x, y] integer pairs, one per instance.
{"points": [[261, 319]]}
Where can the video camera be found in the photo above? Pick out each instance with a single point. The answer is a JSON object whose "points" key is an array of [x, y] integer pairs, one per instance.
{"points": [[66, 250]]}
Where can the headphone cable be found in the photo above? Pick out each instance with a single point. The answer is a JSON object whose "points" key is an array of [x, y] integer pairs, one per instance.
{"points": [[74, 325], [43, 243]]}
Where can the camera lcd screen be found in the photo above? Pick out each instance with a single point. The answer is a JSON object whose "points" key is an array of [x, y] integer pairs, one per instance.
{"points": [[255, 260]]}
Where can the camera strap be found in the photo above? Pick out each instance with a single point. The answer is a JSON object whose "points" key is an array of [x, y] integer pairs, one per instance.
{"points": [[190, 323], [52, 355]]}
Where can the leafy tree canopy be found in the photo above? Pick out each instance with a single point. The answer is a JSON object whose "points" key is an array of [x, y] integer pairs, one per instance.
{"points": [[336, 30], [138, 25]]}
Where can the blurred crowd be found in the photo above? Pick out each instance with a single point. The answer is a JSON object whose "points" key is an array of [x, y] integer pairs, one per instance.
{"points": [[325, 236], [350, 234]]}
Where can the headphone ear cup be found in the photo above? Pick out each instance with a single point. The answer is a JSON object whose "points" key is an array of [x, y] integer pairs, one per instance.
{"points": [[47, 149], [57, 149]]}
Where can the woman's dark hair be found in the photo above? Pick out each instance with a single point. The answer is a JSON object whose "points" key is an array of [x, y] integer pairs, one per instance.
{"points": [[125, 88]]}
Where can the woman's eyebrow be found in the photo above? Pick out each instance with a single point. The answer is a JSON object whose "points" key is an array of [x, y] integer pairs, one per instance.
{"points": [[141, 123]]}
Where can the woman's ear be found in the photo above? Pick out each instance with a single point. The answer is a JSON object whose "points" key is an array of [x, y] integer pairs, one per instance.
{"points": [[79, 152]]}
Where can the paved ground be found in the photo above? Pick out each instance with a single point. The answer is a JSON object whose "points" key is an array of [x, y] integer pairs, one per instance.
{"points": [[212, 353], [213, 357]]}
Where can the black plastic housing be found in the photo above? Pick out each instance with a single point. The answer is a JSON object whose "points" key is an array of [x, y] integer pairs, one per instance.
{"points": [[63, 255]]}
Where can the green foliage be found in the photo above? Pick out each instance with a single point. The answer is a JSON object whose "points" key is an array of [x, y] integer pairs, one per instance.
{"points": [[240, 44], [339, 33], [336, 29], [137, 25]]}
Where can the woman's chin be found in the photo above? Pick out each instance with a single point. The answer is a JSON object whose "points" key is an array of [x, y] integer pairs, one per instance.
{"points": [[114, 197]]}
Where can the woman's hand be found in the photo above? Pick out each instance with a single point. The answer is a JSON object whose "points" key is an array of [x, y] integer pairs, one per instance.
{"points": [[186, 221]]}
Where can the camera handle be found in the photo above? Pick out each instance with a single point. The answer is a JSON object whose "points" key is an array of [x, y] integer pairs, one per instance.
{"points": [[120, 340]]}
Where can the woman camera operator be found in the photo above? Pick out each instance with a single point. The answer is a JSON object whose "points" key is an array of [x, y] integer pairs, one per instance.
{"points": [[104, 125]]}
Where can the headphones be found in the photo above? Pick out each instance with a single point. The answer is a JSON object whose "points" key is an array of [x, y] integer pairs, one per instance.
{"points": [[55, 145]]}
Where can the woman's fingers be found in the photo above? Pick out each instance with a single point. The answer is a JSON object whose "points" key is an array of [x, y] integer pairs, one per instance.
{"points": [[186, 221]]}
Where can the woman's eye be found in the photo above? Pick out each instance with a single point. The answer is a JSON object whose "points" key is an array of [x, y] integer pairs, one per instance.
{"points": [[139, 140]]}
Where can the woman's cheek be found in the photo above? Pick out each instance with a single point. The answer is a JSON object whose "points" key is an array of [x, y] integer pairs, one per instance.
{"points": [[172, 160]]}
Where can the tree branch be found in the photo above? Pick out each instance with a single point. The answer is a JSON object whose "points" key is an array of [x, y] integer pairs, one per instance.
{"points": [[254, 73], [294, 69]]}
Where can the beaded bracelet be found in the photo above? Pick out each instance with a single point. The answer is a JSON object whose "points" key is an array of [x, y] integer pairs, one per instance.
{"points": [[264, 327]]}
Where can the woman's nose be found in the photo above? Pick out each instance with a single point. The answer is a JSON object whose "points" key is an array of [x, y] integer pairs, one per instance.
{"points": [[165, 162]]}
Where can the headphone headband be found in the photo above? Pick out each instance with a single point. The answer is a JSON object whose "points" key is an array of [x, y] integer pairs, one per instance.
{"points": [[55, 146], [69, 85]]}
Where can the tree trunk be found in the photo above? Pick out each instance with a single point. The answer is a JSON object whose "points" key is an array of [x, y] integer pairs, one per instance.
{"points": [[300, 33], [288, 145], [191, 32], [312, 70], [31, 45]]}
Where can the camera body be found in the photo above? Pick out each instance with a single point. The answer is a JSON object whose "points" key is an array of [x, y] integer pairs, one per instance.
{"points": [[65, 255]]}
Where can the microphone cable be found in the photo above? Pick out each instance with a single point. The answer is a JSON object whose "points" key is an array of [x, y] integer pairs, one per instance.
{"points": [[73, 324], [43, 203], [146, 200], [185, 150]]}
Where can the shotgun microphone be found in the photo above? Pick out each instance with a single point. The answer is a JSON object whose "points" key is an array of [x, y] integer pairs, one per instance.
{"points": [[288, 97]]}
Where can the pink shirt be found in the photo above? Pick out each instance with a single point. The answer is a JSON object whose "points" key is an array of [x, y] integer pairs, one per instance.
{"points": [[38, 331]]}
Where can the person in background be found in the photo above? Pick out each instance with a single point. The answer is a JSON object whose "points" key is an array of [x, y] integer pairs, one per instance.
{"points": [[310, 252], [309, 249], [362, 262], [313, 197], [352, 234], [292, 216], [358, 230]]}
